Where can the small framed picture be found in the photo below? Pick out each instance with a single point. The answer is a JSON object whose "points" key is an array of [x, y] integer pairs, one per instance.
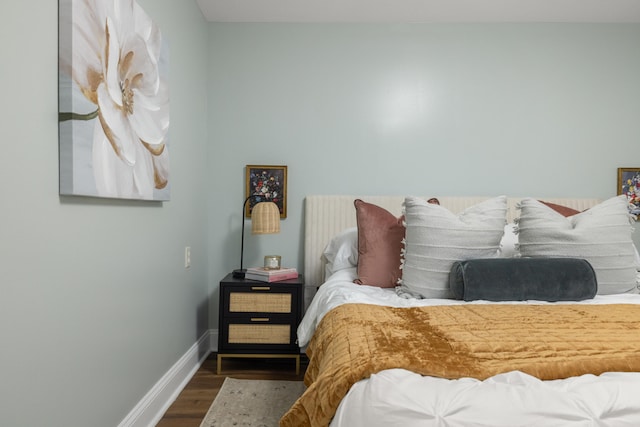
{"points": [[629, 185], [269, 184]]}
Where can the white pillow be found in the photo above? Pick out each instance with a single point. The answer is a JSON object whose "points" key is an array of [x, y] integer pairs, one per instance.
{"points": [[342, 251], [436, 238], [509, 242], [601, 235]]}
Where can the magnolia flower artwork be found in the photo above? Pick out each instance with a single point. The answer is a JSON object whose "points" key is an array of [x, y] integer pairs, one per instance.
{"points": [[113, 101]]}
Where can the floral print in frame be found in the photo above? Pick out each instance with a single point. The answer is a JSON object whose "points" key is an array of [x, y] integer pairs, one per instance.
{"points": [[629, 185], [268, 184]]}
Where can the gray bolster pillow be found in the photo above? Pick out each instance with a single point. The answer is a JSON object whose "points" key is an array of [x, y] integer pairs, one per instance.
{"points": [[519, 279]]}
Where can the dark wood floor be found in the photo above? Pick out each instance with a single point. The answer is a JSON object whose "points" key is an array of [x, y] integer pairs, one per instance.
{"points": [[194, 401]]}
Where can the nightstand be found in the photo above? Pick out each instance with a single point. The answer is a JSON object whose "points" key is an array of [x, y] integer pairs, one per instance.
{"points": [[259, 319]]}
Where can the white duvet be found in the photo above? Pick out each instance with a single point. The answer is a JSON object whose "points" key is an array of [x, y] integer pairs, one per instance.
{"points": [[397, 397]]}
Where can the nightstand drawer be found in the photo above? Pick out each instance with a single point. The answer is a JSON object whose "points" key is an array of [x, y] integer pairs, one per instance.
{"points": [[271, 333], [259, 334], [254, 302]]}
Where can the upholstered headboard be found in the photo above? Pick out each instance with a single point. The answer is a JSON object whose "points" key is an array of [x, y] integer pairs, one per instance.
{"points": [[327, 215]]}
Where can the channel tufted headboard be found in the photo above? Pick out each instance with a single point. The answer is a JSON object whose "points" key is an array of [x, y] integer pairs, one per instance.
{"points": [[327, 215]]}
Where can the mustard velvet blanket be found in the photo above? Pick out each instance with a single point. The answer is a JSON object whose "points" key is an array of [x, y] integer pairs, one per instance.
{"points": [[354, 341]]}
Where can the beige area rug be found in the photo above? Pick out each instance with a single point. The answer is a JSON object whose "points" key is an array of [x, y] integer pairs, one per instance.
{"points": [[252, 403]]}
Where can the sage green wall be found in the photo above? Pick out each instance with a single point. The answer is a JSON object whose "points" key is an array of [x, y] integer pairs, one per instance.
{"points": [[95, 303], [451, 109]]}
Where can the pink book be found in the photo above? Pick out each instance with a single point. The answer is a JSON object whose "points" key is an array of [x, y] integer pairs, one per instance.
{"points": [[259, 273]]}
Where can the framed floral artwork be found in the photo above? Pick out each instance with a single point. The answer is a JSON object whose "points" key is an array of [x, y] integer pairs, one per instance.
{"points": [[113, 102], [268, 184], [629, 185]]}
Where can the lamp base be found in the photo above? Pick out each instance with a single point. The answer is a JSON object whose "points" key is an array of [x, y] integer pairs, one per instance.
{"points": [[239, 274]]}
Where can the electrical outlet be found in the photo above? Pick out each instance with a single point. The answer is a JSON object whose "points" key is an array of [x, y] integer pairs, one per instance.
{"points": [[187, 256]]}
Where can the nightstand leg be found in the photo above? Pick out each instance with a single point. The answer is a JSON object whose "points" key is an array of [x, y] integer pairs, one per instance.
{"points": [[219, 364], [298, 365]]}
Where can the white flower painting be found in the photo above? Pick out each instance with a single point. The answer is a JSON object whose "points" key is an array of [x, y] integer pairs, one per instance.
{"points": [[113, 101]]}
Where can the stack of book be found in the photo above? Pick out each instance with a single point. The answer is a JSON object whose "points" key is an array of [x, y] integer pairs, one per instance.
{"points": [[264, 275]]}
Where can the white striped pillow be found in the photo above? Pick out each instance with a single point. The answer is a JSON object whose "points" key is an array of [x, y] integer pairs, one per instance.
{"points": [[435, 238], [601, 235]]}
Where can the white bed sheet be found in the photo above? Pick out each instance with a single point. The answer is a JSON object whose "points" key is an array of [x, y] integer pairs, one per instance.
{"points": [[397, 397]]}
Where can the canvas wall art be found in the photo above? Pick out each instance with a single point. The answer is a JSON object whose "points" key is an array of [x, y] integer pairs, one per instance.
{"points": [[113, 101]]}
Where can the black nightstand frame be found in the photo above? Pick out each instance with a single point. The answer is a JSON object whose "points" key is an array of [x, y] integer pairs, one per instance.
{"points": [[245, 318]]}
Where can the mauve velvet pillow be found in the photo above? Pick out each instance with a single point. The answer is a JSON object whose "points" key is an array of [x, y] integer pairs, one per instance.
{"points": [[380, 237], [562, 210]]}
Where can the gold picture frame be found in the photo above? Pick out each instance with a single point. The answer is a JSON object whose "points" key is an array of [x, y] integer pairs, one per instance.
{"points": [[629, 185], [269, 184]]}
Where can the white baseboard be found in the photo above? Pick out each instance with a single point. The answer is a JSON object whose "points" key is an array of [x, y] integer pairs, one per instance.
{"points": [[155, 403]]}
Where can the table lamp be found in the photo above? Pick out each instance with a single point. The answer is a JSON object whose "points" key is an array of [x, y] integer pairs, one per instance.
{"points": [[265, 219]]}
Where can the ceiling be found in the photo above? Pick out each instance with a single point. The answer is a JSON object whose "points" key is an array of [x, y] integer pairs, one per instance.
{"points": [[408, 11]]}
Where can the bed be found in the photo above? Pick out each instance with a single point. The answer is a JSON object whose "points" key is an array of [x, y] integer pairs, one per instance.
{"points": [[404, 354]]}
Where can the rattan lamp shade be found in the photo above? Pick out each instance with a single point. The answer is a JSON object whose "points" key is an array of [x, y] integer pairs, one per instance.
{"points": [[265, 218]]}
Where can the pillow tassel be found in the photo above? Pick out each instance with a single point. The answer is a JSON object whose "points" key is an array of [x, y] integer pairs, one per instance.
{"points": [[403, 252]]}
